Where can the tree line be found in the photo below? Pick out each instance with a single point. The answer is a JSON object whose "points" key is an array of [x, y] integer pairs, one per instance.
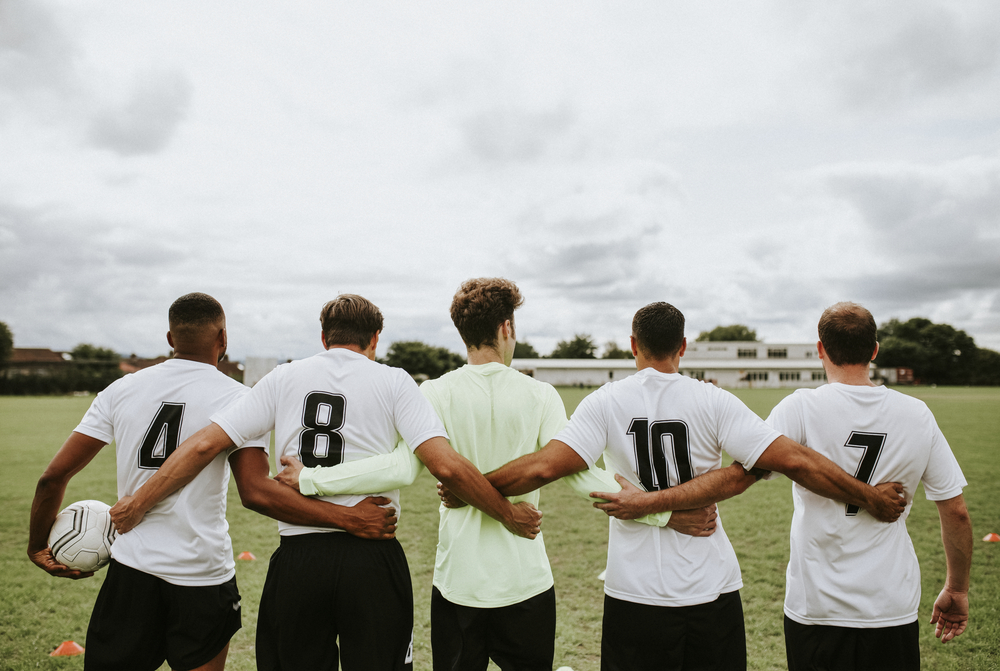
{"points": [[937, 354]]}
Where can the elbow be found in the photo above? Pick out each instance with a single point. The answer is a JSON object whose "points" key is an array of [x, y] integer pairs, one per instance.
{"points": [[253, 499], [446, 472], [796, 466]]}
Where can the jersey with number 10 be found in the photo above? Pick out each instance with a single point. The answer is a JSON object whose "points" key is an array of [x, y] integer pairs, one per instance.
{"points": [[184, 539], [846, 568], [333, 407], [660, 430]]}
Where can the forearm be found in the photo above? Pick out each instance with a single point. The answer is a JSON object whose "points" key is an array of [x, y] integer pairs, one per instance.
{"points": [[704, 490], [956, 536], [284, 504], [182, 466], [380, 473], [44, 508], [528, 473], [465, 480], [599, 480]]}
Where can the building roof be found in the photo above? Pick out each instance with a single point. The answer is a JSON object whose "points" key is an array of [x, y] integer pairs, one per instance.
{"points": [[687, 363], [30, 355]]}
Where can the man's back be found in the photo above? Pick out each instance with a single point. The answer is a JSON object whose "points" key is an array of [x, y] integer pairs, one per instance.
{"points": [[846, 568], [332, 407], [493, 414], [183, 539], [662, 429]]}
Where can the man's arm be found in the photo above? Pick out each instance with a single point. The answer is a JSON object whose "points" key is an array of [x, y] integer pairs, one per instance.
{"points": [[76, 452], [180, 468], [697, 493], [464, 479], [258, 492], [528, 473], [380, 473], [821, 476], [951, 609]]}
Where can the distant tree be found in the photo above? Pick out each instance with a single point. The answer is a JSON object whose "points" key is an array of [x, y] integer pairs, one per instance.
{"points": [[729, 333], [87, 352], [987, 368], [418, 358], [6, 342], [524, 350], [613, 351], [580, 347], [937, 353]]}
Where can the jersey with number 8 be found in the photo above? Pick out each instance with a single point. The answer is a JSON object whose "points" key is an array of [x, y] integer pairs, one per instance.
{"points": [[335, 406]]}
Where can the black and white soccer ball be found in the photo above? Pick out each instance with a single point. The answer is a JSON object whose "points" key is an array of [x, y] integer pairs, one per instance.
{"points": [[82, 535]]}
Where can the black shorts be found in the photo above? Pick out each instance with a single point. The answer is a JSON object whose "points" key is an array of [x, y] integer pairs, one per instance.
{"points": [[811, 646], [640, 637], [519, 637], [333, 596], [140, 620]]}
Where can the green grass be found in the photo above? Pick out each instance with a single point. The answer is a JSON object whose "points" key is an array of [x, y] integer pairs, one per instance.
{"points": [[38, 612]]}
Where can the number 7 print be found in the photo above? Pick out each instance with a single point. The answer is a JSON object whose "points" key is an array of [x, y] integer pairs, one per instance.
{"points": [[872, 444]]}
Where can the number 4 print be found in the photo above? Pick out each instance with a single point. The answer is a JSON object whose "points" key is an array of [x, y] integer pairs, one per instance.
{"points": [[872, 444]]}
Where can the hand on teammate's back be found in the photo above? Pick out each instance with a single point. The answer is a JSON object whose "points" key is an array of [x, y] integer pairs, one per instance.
{"points": [[627, 504], [951, 614], [372, 518], [890, 503], [448, 497], [527, 520], [125, 514], [289, 475], [45, 561], [697, 522]]}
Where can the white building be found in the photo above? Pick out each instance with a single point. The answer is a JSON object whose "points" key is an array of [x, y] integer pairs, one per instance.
{"points": [[735, 365]]}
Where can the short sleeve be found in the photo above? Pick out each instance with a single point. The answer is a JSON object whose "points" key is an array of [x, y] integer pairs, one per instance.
{"points": [[98, 422], [553, 416], [413, 414], [587, 431], [786, 418], [742, 434], [252, 416], [943, 478]]}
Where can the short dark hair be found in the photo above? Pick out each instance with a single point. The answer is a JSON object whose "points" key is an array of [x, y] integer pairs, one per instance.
{"points": [[848, 334], [658, 329], [195, 310], [480, 306], [350, 319]]}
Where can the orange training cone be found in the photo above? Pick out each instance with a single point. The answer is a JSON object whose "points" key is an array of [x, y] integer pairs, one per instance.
{"points": [[992, 538], [67, 649], [247, 556]]}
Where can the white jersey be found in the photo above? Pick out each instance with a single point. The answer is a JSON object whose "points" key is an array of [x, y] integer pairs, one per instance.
{"points": [[846, 568], [184, 539], [659, 430], [336, 406]]}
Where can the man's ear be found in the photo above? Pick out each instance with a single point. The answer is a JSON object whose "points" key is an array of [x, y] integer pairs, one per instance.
{"points": [[820, 350], [633, 345], [875, 353], [322, 339], [170, 340]]}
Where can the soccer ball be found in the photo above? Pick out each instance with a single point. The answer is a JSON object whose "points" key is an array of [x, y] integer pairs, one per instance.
{"points": [[82, 535]]}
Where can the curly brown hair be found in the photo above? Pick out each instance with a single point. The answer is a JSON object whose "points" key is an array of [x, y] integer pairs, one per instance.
{"points": [[480, 306], [350, 319]]}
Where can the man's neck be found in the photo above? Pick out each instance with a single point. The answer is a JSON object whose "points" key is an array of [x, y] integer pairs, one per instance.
{"points": [[211, 358], [668, 365], [481, 355], [855, 376]]}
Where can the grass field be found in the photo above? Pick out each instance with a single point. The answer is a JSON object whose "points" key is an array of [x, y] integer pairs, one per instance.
{"points": [[38, 612]]}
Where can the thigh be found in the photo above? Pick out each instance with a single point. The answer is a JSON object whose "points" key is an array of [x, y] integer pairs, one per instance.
{"points": [[823, 648], [127, 626], [200, 623], [715, 634], [458, 635], [640, 637], [374, 606], [890, 648], [521, 637], [296, 622]]}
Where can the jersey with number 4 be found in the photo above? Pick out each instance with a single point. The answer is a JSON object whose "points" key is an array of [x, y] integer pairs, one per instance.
{"points": [[660, 430], [333, 407], [846, 568], [184, 539]]}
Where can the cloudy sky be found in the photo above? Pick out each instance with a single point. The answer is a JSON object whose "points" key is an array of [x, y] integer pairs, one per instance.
{"points": [[749, 162]]}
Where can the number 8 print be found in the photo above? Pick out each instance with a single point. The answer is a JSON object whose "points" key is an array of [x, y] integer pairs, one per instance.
{"points": [[321, 443]]}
